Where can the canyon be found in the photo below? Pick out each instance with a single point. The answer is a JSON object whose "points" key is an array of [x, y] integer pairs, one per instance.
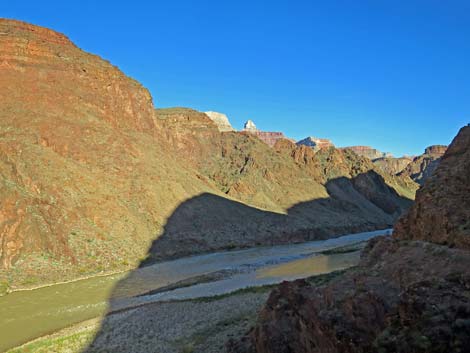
{"points": [[408, 294], [92, 175], [178, 233]]}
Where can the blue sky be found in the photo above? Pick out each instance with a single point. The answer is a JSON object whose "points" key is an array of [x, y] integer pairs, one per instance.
{"points": [[391, 74]]}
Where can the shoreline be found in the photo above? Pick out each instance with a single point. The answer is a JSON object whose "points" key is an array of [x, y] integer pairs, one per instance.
{"points": [[66, 282], [385, 230], [90, 328]]}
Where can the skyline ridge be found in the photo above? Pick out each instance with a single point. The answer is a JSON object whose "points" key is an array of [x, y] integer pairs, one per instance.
{"points": [[393, 76]]}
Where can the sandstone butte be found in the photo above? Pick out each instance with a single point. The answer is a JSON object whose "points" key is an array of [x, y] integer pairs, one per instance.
{"points": [[410, 293], [94, 179]]}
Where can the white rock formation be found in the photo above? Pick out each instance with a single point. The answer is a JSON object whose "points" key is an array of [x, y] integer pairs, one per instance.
{"points": [[250, 126], [220, 120]]}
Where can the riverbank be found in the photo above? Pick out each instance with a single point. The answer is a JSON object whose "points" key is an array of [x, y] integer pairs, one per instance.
{"points": [[6, 287], [25, 315], [201, 325]]}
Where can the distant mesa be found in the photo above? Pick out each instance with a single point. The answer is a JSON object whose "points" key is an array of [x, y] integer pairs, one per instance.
{"points": [[316, 143], [267, 137], [437, 150], [221, 120], [368, 152]]}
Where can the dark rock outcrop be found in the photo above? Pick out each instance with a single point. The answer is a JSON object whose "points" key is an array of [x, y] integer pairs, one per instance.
{"points": [[441, 212], [395, 302]]}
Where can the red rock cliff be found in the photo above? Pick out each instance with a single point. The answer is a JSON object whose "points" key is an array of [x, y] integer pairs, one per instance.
{"points": [[441, 212]]}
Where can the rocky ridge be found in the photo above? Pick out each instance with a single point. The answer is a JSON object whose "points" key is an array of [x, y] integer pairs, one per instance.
{"points": [[406, 295]]}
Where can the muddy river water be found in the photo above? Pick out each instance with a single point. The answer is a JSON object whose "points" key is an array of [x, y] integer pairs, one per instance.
{"points": [[25, 315]]}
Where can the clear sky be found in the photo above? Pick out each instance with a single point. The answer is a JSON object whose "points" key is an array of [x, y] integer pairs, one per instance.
{"points": [[391, 74]]}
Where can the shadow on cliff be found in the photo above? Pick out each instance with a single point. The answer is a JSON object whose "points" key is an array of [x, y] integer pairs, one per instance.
{"points": [[208, 223]]}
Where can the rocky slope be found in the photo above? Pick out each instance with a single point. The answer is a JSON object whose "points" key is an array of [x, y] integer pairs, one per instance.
{"points": [[86, 178], [333, 191], [423, 166], [405, 296], [91, 174]]}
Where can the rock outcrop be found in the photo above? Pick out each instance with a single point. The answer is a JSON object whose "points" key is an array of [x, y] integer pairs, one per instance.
{"points": [[406, 295], [316, 143], [250, 126], [438, 150], [423, 166], [368, 152], [221, 120], [441, 212], [392, 165]]}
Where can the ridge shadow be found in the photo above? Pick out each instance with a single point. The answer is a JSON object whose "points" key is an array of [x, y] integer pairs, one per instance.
{"points": [[208, 223]]}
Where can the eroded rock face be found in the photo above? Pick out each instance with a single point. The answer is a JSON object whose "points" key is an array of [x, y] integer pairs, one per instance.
{"points": [[392, 165], [436, 149], [316, 143], [267, 137], [441, 212], [368, 152], [405, 296], [221, 120], [423, 166]]}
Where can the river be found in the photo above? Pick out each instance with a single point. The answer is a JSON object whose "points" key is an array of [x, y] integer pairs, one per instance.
{"points": [[25, 315]]}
